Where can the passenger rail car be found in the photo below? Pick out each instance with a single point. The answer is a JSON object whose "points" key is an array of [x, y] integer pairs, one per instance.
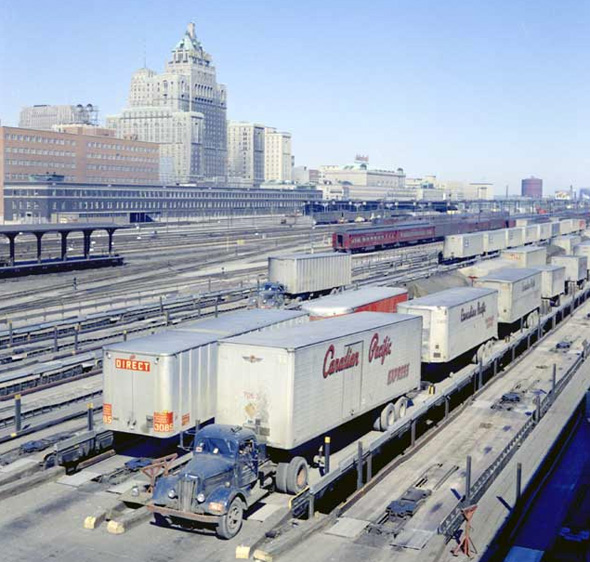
{"points": [[381, 237]]}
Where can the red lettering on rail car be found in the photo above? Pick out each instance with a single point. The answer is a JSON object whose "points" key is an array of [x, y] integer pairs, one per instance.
{"points": [[336, 364], [132, 365], [377, 350], [398, 373]]}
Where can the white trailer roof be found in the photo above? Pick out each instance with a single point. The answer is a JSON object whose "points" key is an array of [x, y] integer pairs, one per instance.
{"points": [[510, 274], [165, 343], [241, 321], [524, 249], [450, 297], [306, 256], [317, 332], [547, 267], [203, 332], [351, 299]]}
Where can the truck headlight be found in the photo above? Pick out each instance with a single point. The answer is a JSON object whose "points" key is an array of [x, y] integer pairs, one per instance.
{"points": [[201, 497], [172, 493], [216, 507], [135, 491]]}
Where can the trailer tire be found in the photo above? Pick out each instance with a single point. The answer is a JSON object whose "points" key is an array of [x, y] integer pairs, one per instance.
{"points": [[401, 407], [387, 417], [281, 477], [297, 475], [230, 524]]}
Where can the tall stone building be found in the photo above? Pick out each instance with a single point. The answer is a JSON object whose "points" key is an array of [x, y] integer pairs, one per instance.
{"points": [[46, 117], [184, 110], [245, 145], [278, 158]]}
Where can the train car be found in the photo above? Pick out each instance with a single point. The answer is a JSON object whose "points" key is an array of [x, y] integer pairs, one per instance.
{"points": [[49, 373], [378, 238], [368, 299]]}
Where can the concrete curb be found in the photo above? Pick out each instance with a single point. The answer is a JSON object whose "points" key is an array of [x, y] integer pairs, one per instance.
{"points": [[105, 514], [128, 521], [280, 517], [289, 540], [28, 482], [18, 474]]}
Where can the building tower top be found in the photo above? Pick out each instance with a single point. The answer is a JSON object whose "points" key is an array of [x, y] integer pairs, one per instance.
{"points": [[189, 48]]}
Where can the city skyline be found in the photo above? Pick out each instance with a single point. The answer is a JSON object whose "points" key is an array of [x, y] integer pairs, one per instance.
{"points": [[473, 93]]}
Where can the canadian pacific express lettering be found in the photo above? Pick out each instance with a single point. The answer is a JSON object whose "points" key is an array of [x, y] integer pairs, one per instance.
{"points": [[379, 350], [333, 364]]}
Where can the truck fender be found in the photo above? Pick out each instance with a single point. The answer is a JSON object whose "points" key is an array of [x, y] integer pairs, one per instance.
{"points": [[225, 496]]}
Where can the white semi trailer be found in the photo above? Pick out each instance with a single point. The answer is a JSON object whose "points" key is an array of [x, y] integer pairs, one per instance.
{"points": [[455, 321]]}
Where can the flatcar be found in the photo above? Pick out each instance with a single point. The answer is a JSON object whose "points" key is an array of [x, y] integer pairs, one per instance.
{"points": [[48, 373]]}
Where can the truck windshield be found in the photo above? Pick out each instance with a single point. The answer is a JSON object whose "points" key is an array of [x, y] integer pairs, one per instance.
{"points": [[215, 446]]}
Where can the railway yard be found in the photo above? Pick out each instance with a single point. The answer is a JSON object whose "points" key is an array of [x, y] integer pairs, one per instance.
{"points": [[466, 425]]}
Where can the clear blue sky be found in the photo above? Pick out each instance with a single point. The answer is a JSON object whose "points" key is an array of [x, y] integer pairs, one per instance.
{"points": [[468, 90]]}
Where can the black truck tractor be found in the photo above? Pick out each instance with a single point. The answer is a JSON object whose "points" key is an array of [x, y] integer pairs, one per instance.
{"points": [[229, 472]]}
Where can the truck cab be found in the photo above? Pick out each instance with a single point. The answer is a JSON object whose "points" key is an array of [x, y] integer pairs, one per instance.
{"points": [[270, 295], [220, 482]]}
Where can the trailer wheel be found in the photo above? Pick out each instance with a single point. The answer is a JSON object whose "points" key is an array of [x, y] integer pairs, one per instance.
{"points": [[387, 417], [296, 475], [401, 407], [231, 523], [281, 477]]}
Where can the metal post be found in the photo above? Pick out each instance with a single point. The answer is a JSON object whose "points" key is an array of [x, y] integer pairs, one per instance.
{"points": [[538, 408], [124, 335], [480, 376], [167, 316], [326, 454], [161, 306], [17, 413], [468, 480], [216, 308], [39, 237], [55, 338], [413, 433], [311, 507], [513, 352], [553, 380], [447, 406], [76, 332], [90, 416], [359, 466], [369, 467], [518, 481], [199, 308], [495, 367], [528, 341], [10, 335]]}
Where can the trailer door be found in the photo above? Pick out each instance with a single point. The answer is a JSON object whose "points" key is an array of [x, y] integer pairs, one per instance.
{"points": [[352, 380]]}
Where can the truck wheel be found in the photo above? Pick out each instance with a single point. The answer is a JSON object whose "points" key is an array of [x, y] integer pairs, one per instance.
{"points": [[296, 475], [231, 523], [387, 417], [401, 407], [281, 477]]}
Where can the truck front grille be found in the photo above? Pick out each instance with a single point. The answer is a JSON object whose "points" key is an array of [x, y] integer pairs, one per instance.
{"points": [[186, 493]]}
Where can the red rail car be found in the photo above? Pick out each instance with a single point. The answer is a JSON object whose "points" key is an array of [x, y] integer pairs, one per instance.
{"points": [[382, 237]]}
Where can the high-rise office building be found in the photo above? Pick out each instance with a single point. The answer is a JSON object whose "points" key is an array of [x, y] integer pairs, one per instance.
{"points": [[245, 148], [46, 117], [184, 110], [532, 187], [278, 160]]}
